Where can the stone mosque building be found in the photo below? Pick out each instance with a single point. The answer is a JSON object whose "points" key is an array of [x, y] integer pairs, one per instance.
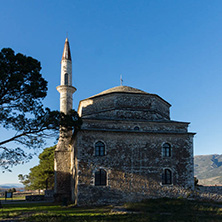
{"points": [[127, 149]]}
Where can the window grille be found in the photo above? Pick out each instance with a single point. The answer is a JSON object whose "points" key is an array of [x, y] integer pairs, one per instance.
{"points": [[166, 150], [167, 177], [100, 149], [100, 178]]}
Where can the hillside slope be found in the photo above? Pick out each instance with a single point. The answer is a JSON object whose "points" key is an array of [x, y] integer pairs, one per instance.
{"points": [[208, 169]]}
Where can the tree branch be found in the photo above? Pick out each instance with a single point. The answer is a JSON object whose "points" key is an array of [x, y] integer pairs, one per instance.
{"points": [[20, 135]]}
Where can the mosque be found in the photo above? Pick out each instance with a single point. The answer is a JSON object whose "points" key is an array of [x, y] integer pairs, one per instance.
{"points": [[127, 149]]}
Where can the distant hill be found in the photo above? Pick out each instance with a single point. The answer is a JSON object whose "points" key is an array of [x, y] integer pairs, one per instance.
{"points": [[208, 169], [11, 185]]}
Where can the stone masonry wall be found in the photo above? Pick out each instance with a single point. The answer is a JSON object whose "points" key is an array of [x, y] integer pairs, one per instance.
{"points": [[125, 106], [210, 189], [134, 165], [152, 126]]}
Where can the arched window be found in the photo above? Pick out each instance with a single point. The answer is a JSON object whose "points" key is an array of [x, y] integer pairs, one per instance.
{"points": [[167, 177], [100, 178], [136, 128], [166, 150], [66, 78], [99, 149]]}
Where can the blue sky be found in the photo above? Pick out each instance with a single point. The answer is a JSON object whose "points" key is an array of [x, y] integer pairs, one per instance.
{"points": [[169, 47]]}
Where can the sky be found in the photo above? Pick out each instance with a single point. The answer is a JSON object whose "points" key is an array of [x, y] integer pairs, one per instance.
{"points": [[172, 48]]}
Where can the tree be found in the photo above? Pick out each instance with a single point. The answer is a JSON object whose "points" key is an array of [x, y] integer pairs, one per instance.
{"points": [[12, 190], [22, 90], [42, 175], [24, 179]]}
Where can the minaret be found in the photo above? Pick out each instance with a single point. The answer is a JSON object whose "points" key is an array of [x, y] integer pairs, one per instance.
{"points": [[66, 89], [63, 153]]}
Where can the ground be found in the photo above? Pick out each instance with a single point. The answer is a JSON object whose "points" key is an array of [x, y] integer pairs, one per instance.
{"points": [[148, 210]]}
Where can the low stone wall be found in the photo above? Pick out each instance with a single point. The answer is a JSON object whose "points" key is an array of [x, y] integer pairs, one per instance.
{"points": [[105, 195], [209, 193], [210, 189], [34, 198], [49, 194]]}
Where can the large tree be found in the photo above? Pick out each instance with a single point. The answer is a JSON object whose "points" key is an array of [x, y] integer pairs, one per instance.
{"points": [[42, 175], [22, 90]]}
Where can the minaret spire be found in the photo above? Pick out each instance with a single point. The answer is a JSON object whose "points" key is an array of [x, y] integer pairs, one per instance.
{"points": [[66, 89], [66, 52]]}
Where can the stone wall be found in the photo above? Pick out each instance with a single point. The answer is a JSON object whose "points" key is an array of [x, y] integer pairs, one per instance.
{"points": [[134, 126], [49, 194], [62, 167], [35, 198], [125, 106], [134, 165], [210, 189], [106, 195], [153, 126]]}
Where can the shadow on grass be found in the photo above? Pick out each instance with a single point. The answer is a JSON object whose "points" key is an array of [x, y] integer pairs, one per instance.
{"points": [[120, 218], [166, 209], [148, 210]]}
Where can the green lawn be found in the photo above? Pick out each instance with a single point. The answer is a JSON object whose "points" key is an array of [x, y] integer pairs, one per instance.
{"points": [[14, 198], [149, 210]]}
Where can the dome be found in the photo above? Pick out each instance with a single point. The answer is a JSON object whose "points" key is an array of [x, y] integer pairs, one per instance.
{"points": [[120, 89], [124, 103]]}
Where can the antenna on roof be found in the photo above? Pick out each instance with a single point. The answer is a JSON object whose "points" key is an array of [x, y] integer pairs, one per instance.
{"points": [[121, 80]]}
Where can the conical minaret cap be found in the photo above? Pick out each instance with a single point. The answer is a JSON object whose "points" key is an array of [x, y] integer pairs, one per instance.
{"points": [[66, 52]]}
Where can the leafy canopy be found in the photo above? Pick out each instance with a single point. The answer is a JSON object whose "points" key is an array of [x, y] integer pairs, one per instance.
{"points": [[42, 175], [22, 90]]}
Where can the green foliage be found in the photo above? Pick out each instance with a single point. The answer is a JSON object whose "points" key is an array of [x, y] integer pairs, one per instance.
{"points": [[12, 190], [22, 89], [24, 179], [42, 175]]}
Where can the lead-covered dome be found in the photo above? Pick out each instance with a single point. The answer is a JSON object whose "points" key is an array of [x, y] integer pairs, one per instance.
{"points": [[120, 89], [124, 103]]}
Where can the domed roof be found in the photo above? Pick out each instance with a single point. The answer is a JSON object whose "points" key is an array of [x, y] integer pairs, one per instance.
{"points": [[124, 102], [121, 89]]}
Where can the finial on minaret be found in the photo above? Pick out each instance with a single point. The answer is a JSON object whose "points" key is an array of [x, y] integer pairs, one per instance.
{"points": [[121, 80], [66, 52]]}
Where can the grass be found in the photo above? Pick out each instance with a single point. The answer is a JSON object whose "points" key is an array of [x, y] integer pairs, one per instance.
{"points": [[148, 210], [178, 210], [14, 198]]}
